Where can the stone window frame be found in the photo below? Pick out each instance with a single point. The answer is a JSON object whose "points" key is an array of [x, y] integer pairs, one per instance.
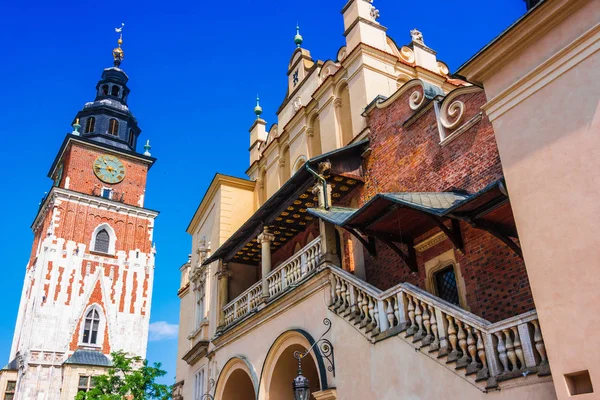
{"points": [[199, 380], [439, 263], [9, 393], [101, 327], [111, 233], [88, 386]]}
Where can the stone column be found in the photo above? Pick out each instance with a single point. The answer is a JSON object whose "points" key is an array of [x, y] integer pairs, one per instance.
{"points": [[223, 293], [326, 229], [265, 240]]}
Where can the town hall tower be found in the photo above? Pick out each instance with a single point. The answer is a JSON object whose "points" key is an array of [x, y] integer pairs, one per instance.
{"points": [[88, 281]]}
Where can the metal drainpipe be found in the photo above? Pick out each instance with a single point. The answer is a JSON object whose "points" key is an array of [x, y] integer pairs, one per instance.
{"points": [[323, 181]]}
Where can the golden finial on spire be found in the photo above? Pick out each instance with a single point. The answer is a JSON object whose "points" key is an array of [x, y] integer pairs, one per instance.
{"points": [[118, 53]]}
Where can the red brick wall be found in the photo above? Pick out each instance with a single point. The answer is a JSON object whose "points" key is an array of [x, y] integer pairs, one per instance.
{"points": [[78, 222], [411, 160], [78, 162]]}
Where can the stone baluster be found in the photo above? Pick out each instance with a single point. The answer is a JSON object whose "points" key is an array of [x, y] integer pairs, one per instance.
{"points": [[333, 285], [376, 322], [427, 324], [371, 313], [462, 343], [518, 348], [502, 352], [472, 349], [342, 307], [543, 367], [365, 308], [483, 372], [419, 319], [442, 323], [510, 350], [453, 341], [359, 306], [412, 329], [338, 293], [353, 304], [348, 299], [399, 319], [435, 344], [390, 314]]}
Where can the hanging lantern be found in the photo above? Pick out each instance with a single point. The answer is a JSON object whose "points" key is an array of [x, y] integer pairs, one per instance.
{"points": [[301, 384]]}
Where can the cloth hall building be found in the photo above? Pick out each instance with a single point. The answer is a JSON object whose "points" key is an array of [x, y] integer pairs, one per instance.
{"points": [[377, 244], [88, 280]]}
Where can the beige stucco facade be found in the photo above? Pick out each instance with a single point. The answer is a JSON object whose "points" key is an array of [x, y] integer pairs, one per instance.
{"points": [[541, 80]]}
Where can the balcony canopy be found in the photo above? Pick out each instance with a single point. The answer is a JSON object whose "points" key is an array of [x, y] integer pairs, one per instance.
{"points": [[403, 217], [285, 213]]}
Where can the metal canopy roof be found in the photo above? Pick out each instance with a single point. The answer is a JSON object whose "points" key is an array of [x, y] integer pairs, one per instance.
{"points": [[285, 212], [88, 357]]}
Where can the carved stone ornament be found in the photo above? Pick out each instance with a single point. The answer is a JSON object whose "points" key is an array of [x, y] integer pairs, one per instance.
{"points": [[416, 100], [407, 54], [337, 102], [297, 103], [310, 132], [374, 13], [443, 68], [417, 36], [452, 115], [324, 168]]}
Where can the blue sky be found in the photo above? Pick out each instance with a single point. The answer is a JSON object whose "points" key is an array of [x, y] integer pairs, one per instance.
{"points": [[195, 68]]}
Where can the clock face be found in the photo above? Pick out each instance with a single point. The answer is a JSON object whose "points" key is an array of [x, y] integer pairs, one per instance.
{"points": [[109, 169]]}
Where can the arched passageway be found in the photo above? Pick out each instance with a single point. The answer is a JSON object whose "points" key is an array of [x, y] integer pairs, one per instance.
{"points": [[238, 387], [285, 370]]}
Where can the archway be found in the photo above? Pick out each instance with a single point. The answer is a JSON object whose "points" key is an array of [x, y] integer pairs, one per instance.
{"points": [[238, 387], [281, 368], [237, 381]]}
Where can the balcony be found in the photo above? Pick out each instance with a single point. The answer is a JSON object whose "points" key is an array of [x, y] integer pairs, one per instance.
{"points": [[288, 275]]}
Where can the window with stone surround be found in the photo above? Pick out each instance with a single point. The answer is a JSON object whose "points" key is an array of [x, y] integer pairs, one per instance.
{"points": [[199, 384], [91, 326], [9, 392], [85, 384], [445, 285], [200, 295], [102, 242]]}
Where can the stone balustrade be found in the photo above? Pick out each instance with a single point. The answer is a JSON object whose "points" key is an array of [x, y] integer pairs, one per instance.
{"points": [[290, 273], [485, 351]]}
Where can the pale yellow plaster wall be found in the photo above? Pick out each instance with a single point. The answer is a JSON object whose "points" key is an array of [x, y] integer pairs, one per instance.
{"points": [[71, 374], [547, 127], [388, 370]]}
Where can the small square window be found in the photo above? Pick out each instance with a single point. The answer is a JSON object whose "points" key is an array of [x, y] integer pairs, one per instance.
{"points": [[579, 383], [106, 193]]}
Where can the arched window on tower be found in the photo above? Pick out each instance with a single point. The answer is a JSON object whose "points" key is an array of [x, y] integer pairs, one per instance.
{"points": [[102, 242], [90, 125], [113, 127], [105, 90], [131, 137], [114, 91], [91, 327]]}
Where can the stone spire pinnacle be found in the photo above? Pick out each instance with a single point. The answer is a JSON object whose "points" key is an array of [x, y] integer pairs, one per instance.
{"points": [[298, 39]]}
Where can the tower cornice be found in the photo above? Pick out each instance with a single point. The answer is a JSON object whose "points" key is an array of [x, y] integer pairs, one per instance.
{"points": [[57, 193]]}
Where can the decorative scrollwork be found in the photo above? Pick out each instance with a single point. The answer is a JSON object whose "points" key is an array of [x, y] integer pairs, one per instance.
{"points": [[452, 115], [407, 54], [323, 347], [207, 395], [416, 100]]}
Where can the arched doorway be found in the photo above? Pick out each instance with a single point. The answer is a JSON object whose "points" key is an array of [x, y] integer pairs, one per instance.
{"points": [[237, 381], [238, 387], [281, 368]]}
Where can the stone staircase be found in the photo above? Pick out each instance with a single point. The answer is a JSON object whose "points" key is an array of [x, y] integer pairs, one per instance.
{"points": [[482, 352]]}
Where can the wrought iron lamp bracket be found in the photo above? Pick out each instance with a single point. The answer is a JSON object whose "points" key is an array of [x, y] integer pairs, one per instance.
{"points": [[323, 347], [207, 395]]}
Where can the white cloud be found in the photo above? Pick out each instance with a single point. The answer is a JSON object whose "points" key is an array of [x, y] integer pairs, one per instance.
{"points": [[162, 330]]}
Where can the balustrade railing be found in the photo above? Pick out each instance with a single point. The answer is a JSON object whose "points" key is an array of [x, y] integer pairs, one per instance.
{"points": [[488, 351], [298, 267]]}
